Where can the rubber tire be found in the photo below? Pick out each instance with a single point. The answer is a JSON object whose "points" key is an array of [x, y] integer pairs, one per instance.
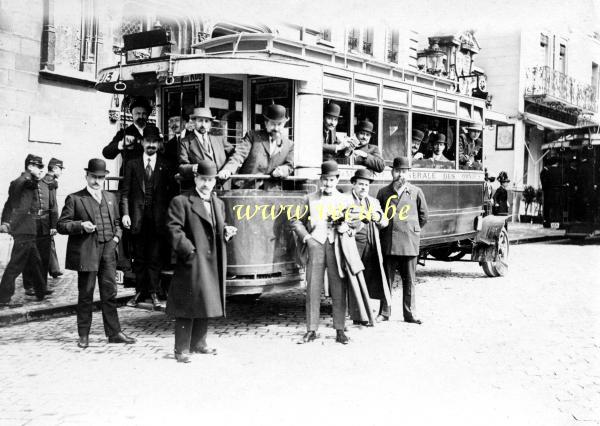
{"points": [[498, 269]]}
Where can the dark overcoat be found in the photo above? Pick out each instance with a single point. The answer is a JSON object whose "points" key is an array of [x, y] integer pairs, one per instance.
{"points": [[132, 192], [224, 154], [373, 161], [82, 248], [198, 285], [402, 236], [259, 159], [111, 151]]}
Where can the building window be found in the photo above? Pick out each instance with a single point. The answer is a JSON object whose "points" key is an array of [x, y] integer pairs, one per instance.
{"points": [[562, 58], [367, 41], [393, 43], [72, 47], [353, 39], [326, 34], [544, 50], [360, 40]]}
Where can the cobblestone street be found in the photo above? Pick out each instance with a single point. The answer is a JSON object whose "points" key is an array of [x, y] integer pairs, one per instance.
{"points": [[517, 350]]}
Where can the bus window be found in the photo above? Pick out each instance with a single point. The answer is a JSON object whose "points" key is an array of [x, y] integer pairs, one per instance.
{"points": [[394, 134], [343, 127], [369, 112], [225, 99], [470, 146], [265, 91], [180, 102], [432, 144]]}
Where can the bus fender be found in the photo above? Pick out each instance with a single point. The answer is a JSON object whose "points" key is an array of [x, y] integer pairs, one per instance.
{"points": [[486, 241]]}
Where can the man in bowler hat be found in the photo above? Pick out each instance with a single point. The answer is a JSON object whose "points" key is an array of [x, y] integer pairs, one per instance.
{"points": [[127, 142], [91, 219], [201, 145], [406, 209], [268, 151], [198, 233], [366, 154], [333, 147], [29, 215], [318, 231], [146, 192]]}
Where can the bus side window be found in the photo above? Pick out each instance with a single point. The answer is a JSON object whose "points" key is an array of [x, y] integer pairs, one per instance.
{"points": [[394, 134]]}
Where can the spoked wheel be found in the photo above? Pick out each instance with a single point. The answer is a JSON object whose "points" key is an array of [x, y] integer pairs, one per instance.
{"points": [[448, 254], [499, 267]]}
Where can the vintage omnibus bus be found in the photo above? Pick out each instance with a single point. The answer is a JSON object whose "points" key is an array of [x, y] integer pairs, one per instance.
{"points": [[236, 75], [570, 181]]}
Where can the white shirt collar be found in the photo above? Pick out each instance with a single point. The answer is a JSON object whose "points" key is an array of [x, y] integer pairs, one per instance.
{"points": [[202, 196], [94, 192], [152, 160]]}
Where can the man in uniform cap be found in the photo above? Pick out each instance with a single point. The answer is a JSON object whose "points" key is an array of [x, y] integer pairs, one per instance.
{"points": [[333, 147], [405, 207], [197, 233], [91, 219], [29, 215], [201, 145], [318, 232], [48, 185], [127, 142], [146, 192], [366, 154], [417, 146], [369, 220], [268, 151], [470, 147]]}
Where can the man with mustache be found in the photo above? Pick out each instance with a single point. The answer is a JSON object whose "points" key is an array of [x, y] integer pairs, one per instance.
{"points": [[201, 145], [366, 154], [145, 194], [91, 219], [127, 142], [334, 148], [406, 209], [269, 151]]}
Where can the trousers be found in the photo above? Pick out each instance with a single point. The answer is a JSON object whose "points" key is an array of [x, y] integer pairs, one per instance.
{"points": [[190, 333], [86, 282], [407, 266], [321, 257], [146, 256]]}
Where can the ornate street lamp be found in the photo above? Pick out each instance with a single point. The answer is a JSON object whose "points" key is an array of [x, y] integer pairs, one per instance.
{"points": [[433, 59]]}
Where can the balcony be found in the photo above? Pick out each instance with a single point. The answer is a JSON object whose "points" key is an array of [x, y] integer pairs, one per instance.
{"points": [[549, 86]]}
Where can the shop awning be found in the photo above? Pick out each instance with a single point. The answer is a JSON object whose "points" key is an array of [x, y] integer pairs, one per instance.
{"points": [[546, 122], [494, 117]]}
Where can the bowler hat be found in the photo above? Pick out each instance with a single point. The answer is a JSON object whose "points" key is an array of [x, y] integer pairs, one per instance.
{"points": [[140, 102], [202, 113], [33, 160], [439, 138], [329, 168], [475, 127], [332, 109], [400, 163], [55, 162], [362, 174], [364, 126], [151, 133], [417, 134], [97, 166], [275, 112], [206, 168], [503, 177]]}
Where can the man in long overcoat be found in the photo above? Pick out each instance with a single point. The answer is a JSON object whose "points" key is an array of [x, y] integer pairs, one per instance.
{"points": [[198, 233], [405, 207], [91, 219]]}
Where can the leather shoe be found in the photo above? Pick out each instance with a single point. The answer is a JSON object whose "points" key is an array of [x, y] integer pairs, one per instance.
{"points": [[182, 357], [381, 318], [56, 274], [30, 292], [204, 350], [308, 337], [134, 300], [413, 321], [341, 337], [156, 304], [121, 338], [83, 342]]}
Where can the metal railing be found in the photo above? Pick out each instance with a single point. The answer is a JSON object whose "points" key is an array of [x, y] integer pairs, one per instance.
{"points": [[545, 81]]}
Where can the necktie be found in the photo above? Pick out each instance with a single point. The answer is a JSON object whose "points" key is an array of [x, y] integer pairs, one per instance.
{"points": [[148, 170]]}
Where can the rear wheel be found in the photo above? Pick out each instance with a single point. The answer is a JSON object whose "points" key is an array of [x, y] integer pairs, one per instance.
{"points": [[499, 267]]}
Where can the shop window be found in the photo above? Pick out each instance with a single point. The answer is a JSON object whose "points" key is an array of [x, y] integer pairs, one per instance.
{"points": [[394, 134], [437, 148], [470, 146]]}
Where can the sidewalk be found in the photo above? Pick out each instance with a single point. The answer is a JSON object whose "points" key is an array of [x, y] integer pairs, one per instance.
{"points": [[64, 299]]}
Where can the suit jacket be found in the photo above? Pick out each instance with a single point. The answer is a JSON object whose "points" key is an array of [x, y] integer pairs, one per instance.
{"points": [[111, 150], [402, 236], [198, 285], [83, 248], [373, 161], [133, 192], [23, 199], [259, 159], [224, 155], [330, 141]]}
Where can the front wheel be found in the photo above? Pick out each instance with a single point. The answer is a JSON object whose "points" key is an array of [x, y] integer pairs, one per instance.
{"points": [[498, 267]]}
